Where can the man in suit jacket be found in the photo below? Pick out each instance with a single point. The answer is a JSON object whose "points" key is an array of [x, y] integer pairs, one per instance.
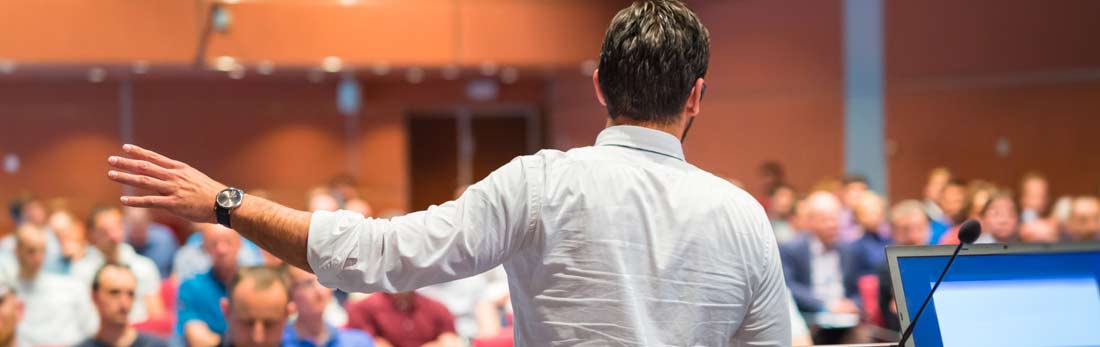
{"points": [[821, 272]]}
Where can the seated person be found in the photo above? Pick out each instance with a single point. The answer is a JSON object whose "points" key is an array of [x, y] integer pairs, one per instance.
{"points": [[113, 291], [191, 259], [199, 317], [1039, 231], [910, 228], [58, 310], [107, 233], [257, 307], [309, 329], [1084, 219], [999, 220], [404, 320], [870, 213], [32, 211], [150, 239], [822, 273]]}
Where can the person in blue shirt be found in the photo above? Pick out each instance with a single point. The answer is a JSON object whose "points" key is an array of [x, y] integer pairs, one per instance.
{"points": [[153, 240], [199, 318], [309, 329]]}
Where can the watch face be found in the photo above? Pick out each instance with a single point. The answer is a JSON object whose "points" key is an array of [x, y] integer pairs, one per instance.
{"points": [[230, 198]]}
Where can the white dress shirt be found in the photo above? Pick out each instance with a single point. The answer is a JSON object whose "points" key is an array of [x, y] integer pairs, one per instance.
{"points": [[57, 311], [621, 243]]}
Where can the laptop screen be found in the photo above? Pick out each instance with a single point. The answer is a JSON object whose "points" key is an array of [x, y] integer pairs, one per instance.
{"points": [[1020, 299]]}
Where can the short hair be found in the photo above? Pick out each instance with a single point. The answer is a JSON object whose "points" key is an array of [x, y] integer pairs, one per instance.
{"points": [[1032, 175], [263, 277], [652, 54], [907, 208], [938, 171], [999, 195], [110, 265], [98, 211]]}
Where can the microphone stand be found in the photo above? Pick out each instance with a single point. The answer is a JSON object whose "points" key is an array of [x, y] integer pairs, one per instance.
{"points": [[909, 331]]}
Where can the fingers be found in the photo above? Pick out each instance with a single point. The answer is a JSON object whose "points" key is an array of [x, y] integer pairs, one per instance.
{"points": [[139, 167], [139, 181], [153, 157], [147, 201]]}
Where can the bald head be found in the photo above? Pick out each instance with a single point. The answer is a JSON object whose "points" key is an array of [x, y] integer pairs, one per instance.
{"points": [[1084, 219], [822, 212]]}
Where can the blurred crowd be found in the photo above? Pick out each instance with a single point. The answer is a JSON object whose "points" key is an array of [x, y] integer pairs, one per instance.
{"points": [[832, 240], [117, 277]]}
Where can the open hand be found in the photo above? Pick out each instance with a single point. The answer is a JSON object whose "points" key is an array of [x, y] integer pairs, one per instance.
{"points": [[176, 187]]}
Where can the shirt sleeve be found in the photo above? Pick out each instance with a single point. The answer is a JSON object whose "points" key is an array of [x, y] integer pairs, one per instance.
{"points": [[461, 238], [768, 321]]}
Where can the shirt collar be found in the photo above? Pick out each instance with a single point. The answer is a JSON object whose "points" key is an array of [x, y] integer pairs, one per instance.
{"points": [[641, 138], [290, 334]]}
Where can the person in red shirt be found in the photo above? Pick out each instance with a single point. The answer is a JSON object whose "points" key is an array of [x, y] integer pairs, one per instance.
{"points": [[404, 320]]}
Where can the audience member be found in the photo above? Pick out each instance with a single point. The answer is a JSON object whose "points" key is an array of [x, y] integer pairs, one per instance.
{"points": [[977, 195], [191, 259], [11, 311], [57, 309], [1084, 219], [933, 190], [780, 209], [106, 233], [1034, 197], [494, 311], [310, 329], [258, 307], [999, 220], [910, 227], [1039, 231], [852, 192], [951, 203], [359, 206], [344, 189], [32, 211], [871, 215], [821, 272], [199, 319], [150, 239], [404, 320], [772, 175], [71, 237], [113, 292], [321, 199]]}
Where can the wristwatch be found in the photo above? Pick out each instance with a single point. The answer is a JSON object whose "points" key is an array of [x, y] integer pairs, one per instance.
{"points": [[225, 202]]}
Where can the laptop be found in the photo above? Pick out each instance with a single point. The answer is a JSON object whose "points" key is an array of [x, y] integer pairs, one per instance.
{"points": [[1000, 295]]}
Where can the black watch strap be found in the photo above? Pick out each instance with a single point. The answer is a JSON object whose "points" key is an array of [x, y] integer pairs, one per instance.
{"points": [[222, 215]]}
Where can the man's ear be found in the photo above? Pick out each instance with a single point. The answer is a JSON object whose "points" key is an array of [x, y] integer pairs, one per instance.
{"points": [[695, 99], [291, 309], [596, 85]]}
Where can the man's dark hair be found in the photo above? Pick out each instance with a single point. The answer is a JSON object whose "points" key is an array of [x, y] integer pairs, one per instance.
{"points": [[652, 54], [98, 273]]}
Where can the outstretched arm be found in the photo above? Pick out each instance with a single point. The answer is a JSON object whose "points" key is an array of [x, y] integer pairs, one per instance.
{"points": [[182, 190]]}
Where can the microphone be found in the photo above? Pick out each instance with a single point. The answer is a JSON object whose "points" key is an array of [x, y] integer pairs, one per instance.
{"points": [[968, 233]]}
